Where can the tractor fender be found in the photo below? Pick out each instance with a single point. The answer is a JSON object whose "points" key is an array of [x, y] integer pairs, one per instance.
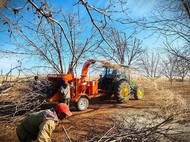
{"points": [[124, 80], [115, 82]]}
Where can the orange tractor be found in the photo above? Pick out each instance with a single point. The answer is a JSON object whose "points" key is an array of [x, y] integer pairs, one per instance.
{"points": [[114, 81]]}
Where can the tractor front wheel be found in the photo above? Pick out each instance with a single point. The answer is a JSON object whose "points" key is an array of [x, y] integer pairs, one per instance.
{"points": [[122, 91], [139, 92], [82, 103]]}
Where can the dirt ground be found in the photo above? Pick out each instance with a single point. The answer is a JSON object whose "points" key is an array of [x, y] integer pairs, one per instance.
{"points": [[97, 119], [160, 98]]}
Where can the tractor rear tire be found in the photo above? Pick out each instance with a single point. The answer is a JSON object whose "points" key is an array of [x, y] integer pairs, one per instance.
{"points": [[122, 91], [139, 92], [82, 103]]}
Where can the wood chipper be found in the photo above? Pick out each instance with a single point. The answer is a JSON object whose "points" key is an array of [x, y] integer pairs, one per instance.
{"points": [[114, 80]]}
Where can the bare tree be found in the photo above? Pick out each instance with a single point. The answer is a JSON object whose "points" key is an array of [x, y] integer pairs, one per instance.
{"points": [[99, 17], [78, 44], [181, 64], [107, 12], [182, 68], [150, 65], [171, 19], [125, 49], [48, 40], [169, 67], [182, 52]]}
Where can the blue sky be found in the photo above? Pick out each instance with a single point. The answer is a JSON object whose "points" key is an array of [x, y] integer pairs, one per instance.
{"points": [[140, 8]]}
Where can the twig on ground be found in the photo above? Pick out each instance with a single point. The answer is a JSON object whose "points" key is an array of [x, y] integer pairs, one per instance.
{"points": [[66, 134]]}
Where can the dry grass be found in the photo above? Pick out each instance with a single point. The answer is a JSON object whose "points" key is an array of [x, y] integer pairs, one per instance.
{"points": [[166, 97]]}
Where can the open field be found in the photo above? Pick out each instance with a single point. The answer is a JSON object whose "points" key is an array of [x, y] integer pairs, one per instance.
{"points": [[160, 101]]}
